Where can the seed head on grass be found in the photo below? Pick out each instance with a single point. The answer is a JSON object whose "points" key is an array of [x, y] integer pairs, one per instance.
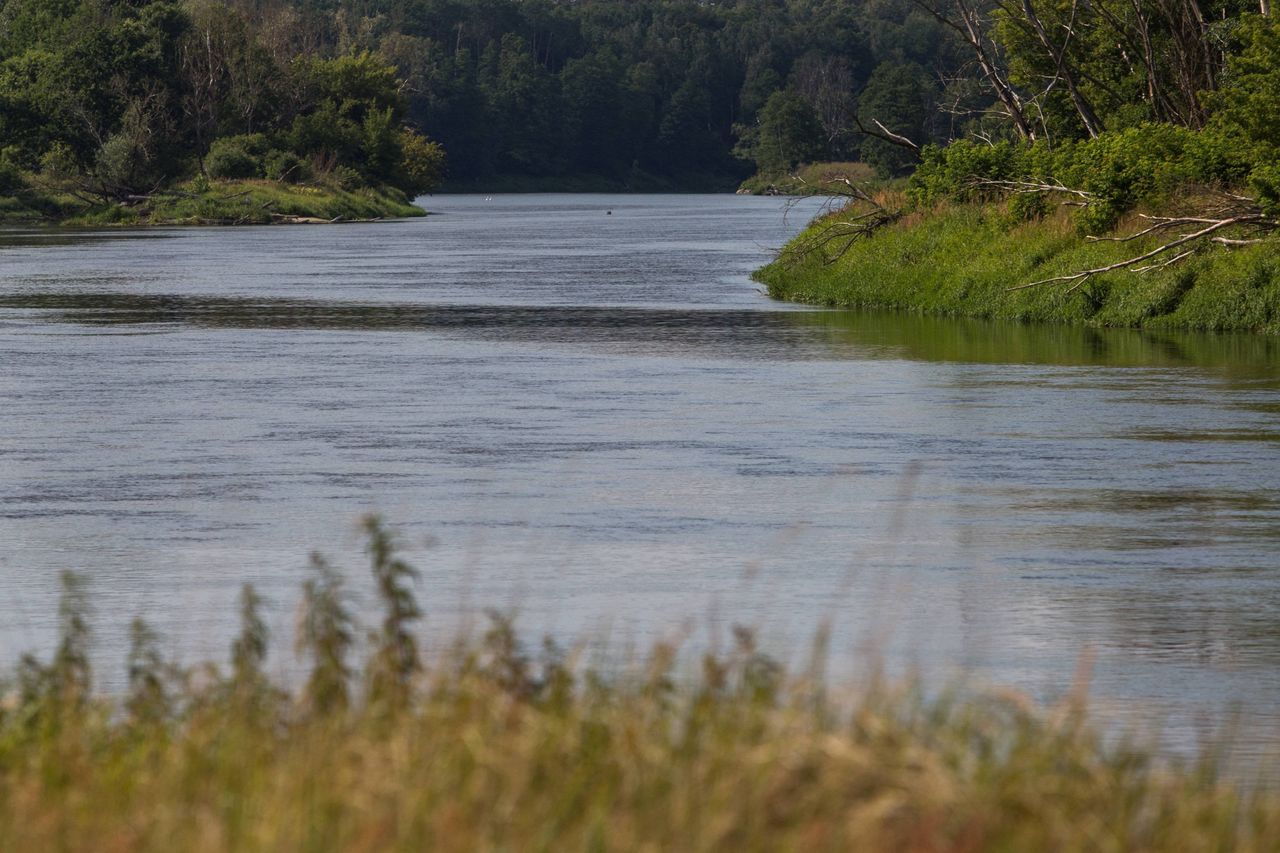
{"points": [[249, 649], [65, 681], [511, 750], [395, 651], [325, 636], [149, 699]]}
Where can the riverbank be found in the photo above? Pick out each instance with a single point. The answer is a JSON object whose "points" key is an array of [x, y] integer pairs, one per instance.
{"points": [[636, 182], [966, 261], [807, 180], [231, 202], [487, 743]]}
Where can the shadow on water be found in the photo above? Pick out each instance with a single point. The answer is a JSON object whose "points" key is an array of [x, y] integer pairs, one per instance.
{"points": [[749, 333]]}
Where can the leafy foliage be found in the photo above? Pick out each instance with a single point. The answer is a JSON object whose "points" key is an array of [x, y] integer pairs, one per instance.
{"points": [[114, 101], [789, 133], [1143, 166]]}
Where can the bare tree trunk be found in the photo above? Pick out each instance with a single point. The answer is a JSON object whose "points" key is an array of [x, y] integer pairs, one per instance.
{"points": [[1092, 124], [970, 28], [1190, 52]]}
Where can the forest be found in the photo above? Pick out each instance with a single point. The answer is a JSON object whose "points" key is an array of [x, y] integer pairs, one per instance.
{"points": [[109, 100], [685, 91]]}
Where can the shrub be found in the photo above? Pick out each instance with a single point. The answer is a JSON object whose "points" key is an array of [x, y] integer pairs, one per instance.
{"points": [[1024, 207], [952, 173], [129, 160], [236, 156], [285, 166], [59, 162], [1144, 165], [1265, 181], [421, 164], [347, 178]]}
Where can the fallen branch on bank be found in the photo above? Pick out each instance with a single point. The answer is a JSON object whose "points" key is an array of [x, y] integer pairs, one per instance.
{"points": [[1030, 187], [1222, 211], [1132, 263], [837, 236]]}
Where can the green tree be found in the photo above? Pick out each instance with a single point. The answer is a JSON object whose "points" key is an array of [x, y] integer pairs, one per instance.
{"points": [[422, 164], [789, 133], [1247, 108], [900, 97]]}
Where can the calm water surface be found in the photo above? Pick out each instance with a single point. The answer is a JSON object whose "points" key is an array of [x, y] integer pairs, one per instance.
{"points": [[597, 420]]}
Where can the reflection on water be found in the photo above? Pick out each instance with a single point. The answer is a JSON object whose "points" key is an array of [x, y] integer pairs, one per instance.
{"points": [[945, 339], [602, 422], [749, 333]]}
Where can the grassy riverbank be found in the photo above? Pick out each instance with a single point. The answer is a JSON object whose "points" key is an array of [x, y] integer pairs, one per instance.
{"points": [[962, 260], [488, 745], [230, 202], [808, 179]]}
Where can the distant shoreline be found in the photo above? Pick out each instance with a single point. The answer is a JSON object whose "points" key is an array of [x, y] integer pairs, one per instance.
{"points": [[637, 183], [223, 203]]}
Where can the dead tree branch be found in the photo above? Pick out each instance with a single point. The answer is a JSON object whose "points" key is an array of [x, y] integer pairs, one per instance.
{"points": [[1030, 187], [972, 28], [882, 132], [1213, 227], [861, 216]]}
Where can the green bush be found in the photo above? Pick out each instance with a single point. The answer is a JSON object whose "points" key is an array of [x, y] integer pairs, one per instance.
{"points": [[286, 167], [1147, 165], [233, 157], [58, 162], [421, 164], [955, 172], [1026, 207], [347, 178], [1265, 181]]}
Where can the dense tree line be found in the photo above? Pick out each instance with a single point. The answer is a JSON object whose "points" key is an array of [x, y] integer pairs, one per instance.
{"points": [[112, 99], [129, 93], [120, 96], [664, 87]]}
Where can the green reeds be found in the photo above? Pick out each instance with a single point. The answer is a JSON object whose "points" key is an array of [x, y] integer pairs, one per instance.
{"points": [[492, 745]]}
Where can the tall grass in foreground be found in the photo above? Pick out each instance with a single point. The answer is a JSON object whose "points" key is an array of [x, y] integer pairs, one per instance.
{"points": [[491, 746]]}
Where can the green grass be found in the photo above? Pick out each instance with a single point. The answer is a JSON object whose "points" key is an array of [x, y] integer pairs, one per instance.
{"points": [[245, 202], [961, 261], [489, 746], [808, 179], [32, 205]]}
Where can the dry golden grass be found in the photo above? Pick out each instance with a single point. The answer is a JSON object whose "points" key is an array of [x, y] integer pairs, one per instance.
{"points": [[488, 747]]}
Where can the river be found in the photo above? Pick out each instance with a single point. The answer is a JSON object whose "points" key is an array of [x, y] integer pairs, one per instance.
{"points": [[580, 408]]}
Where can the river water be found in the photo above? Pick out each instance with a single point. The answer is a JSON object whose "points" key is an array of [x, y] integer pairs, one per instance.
{"points": [[581, 409]]}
